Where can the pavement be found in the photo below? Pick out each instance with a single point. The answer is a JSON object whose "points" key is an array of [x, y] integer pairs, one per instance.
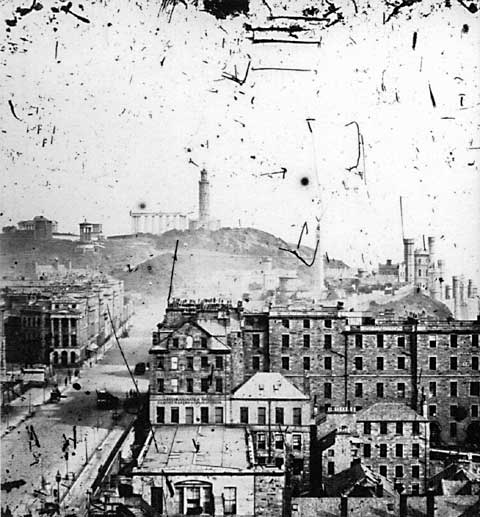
{"points": [[32, 465]]}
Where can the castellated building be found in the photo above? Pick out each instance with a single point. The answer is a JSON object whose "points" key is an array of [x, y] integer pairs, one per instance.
{"points": [[157, 222]]}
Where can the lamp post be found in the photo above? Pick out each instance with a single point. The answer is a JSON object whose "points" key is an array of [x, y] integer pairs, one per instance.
{"points": [[58, 478]]}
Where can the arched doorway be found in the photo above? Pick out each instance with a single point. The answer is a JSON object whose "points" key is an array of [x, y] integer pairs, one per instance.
{"points": [[64, 357]]}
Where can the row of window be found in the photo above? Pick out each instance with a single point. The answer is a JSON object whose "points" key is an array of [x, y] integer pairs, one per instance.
{"points": [[307, 323], [432, 341], [383, 450], [245, 417], [205, 384], [327, 341], [188, 342], [189, 363], [277, 441], [454, 411], [380, 363], [383, 427], [399, 471], [205, 416]]}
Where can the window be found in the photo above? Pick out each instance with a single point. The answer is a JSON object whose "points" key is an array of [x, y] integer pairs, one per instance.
{"points": [[204, 362], [285, 340], [244, 415], [205, 384], [383, 427], [453, 411], [279, 441], [358, 389], [174, 363], [401, 390], [416, 471], [306, 340], [399, 471], [383, 450], [453, 363], [297, 416], [401, 341], [475, 362], [189, 385], [401, 363], [432, 343], [453, 340], [261, 441], [327, 341], [219, 385], [415, 489], [156, 497], [279, 415], [415, 428], [432, 363], [174, 415], [432, 410], [327, 362], [203, 342], [331, 468], [306, 363], [358, 341], [297, 442], [286, 323], [256, 340], [219, 415], [415, 450], [190, 363], [161, 363], [453, 430], [358, 363], [160, 385], [475, 340], [432, 388], [306, 324], [379, 363], [286, 363], [380, 390], [382, 470], [367, 427], [262, 415], [189, 415], [229, 501], [189, 342], [474, 389], [160, 415], [175, 342], [327, 324], [399, 428], [474, 410], [327, 390], [379, 340], [174, 384], [453, 389], [367, 450], [204, 415], [219, 363], [256, 362]]}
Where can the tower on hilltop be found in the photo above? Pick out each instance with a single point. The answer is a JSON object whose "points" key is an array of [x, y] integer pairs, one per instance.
{"points": [[203, 199]]}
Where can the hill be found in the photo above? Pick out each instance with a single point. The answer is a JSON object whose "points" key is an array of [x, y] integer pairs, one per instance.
{"points": [[414, 304]]}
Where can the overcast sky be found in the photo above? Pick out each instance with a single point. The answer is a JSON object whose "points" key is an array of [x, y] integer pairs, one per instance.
{"points": [[132, 100]]}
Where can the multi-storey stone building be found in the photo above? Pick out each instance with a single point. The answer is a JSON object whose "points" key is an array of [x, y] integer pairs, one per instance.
{"points": [[279, 418], [389, 438]]}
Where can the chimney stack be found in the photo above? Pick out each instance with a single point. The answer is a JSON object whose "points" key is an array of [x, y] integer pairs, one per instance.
{"points": [[456, 288], [409, 260]]}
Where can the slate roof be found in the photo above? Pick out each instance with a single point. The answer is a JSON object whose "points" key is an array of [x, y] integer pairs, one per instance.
{"points": [[389, 412], [268, 385]]}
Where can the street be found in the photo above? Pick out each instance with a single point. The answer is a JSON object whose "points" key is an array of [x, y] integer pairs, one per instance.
{"points": [[31, 461]]}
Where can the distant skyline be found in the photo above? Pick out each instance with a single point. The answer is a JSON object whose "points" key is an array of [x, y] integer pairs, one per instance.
{"points": [[126, 108]]}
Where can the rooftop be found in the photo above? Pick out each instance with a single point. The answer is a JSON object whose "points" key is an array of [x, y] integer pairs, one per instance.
{"points": [[389, 412], [220, 449], [267, 385]]}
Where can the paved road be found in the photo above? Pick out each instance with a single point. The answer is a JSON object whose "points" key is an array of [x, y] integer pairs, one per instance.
{"points": [[23, 460]]}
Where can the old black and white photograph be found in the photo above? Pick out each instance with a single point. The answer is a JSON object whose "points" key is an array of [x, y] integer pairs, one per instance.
{"points": [[240, 258]]}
